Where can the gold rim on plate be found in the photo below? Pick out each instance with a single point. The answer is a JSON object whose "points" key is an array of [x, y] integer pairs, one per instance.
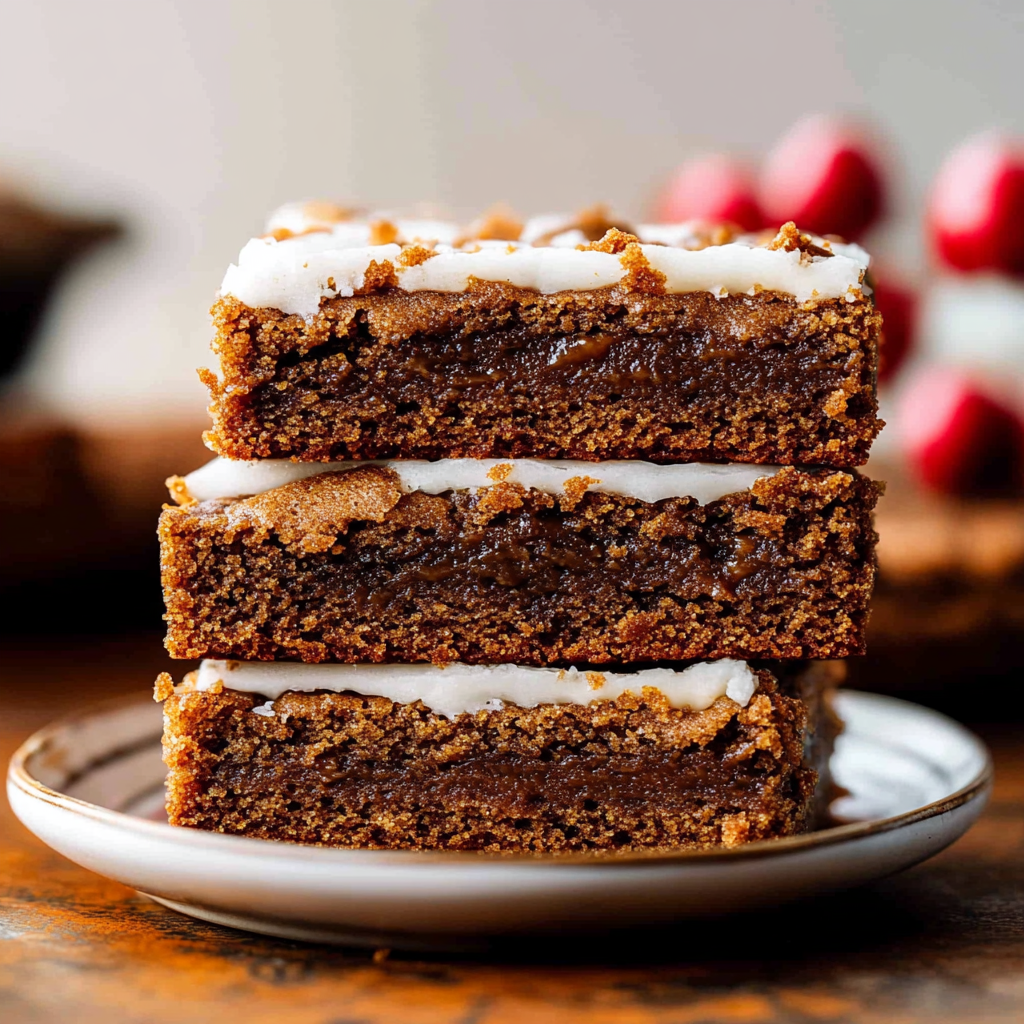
{"points": [[39, 743]]}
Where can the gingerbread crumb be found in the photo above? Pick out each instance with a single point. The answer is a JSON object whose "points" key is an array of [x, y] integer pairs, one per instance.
{"points": [[596, 221], [178, 490], [414, 255], [500, 473], [593, 223], [735, 829], [379, 275], [282, 234], [573, 490], [640, 276], [612, 241], [790, 238], [835, 404], [383, 232], [327, 213], [163, 687], [499, 223], [498, 499]]}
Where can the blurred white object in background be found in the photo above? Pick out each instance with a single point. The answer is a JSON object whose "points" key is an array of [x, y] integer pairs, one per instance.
{"points": [[975, 321]]}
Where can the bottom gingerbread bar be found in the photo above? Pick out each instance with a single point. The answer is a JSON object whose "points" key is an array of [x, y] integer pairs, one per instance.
{"points": [[500, 758]]}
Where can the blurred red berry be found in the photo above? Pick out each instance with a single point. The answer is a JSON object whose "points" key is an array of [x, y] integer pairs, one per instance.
{"points": [[959, 438], [714, 189], [976, 208], [898, 306], [823, 175]]}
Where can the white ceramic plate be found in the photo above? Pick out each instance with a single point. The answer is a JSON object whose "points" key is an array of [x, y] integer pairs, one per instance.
{"points": [[91, 787]]}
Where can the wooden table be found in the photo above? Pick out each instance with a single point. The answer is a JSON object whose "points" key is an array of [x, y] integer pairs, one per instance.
{"points": [[943, 942]]}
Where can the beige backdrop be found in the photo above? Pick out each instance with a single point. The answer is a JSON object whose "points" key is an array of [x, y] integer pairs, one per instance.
{"points": [[190, 119]]}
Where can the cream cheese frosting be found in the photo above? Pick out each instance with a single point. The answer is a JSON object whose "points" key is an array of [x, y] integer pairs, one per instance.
{"points": [[646, 481], [465, 689], [324, 259]]}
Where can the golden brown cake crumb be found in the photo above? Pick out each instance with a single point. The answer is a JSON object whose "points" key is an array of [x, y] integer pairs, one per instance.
{"points": [[311, 513], [178, 490], [791, 238], [379, 275], [612, 241], [163, 687], [328, 213], [499, 223], [382, 232], [414, 255], [592, 222]]}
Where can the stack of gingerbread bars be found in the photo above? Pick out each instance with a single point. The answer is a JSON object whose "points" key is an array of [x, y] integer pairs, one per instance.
{"points": [[522, 537]]}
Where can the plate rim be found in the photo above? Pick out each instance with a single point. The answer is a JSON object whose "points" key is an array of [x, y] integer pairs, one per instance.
{"points": [[21, 778]]}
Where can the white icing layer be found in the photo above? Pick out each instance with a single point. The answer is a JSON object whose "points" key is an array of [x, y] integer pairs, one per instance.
{"points": [[461, 689], [229, 478], [294, 274]]}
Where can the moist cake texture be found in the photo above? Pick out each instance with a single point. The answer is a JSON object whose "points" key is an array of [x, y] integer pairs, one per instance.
{"points": [[500, 372], [343, 769], [346, 567], [664, 365]]}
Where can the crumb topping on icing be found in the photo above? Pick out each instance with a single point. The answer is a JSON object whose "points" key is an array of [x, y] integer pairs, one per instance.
{"points": [[311, 253], [383, 232], [499, 223], [414, 255], [791, 239]]}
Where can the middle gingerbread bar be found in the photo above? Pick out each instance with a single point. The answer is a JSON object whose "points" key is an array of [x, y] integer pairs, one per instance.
{"points": [[538, 562]]}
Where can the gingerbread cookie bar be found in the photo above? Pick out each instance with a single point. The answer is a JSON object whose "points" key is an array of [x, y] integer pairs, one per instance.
{"points": [[372, 339], [532, 562], [499, 758]]}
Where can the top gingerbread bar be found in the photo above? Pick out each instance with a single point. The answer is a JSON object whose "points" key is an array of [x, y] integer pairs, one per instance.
{"points": [[575, 338]]}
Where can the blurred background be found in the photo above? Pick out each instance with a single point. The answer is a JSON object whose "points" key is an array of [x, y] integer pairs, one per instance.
{"points": [[142, 144]]}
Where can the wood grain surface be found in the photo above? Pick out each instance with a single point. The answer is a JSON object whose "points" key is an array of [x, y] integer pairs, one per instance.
{"points": [[943, 942]]}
